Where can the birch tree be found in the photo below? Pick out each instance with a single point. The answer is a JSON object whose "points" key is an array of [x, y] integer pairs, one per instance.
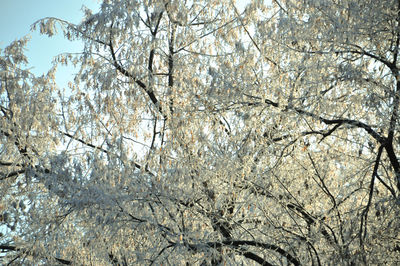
{"points": [[205, 133]]}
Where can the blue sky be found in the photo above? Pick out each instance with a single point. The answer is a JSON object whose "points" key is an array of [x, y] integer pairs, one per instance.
{"points": [[16, 19]]}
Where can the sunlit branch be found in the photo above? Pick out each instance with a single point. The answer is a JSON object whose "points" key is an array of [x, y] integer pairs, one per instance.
{"points": [[171, 53], [126, 73], [397, 46], [22, 149], [280, 6], [336, 122], [73, 27], [251, 38], [96, 148], [205, 35]]}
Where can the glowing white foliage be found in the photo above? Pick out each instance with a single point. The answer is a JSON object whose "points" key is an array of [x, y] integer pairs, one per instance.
{"points": [[197, 132]]}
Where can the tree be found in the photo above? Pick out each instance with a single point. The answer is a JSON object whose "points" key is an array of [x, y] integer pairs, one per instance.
{"points": [[199, 133]]}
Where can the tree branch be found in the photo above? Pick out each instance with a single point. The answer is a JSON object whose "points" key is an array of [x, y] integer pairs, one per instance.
{"points": [[97, 148], [364, 216], [13, 174], [240, 243], [6, 248], [127, 74]]}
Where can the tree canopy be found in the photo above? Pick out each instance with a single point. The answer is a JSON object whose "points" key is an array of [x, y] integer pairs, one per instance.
{"points": [[204, 133]]}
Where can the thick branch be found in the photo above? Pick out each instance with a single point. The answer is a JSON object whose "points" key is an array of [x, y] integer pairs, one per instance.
{"points": [[364, 215], [392, 128], [171, 65], [6, 248], [240, 243], [337, 122], [127, 74], [13, 174], [256, 258], [311, 220], [394, 162], [393, 119]]}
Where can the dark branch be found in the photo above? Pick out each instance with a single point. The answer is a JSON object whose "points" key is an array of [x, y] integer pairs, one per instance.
{"points": [[7, 248], [364, 216], [256, 258], [13, 174], [126, 73], [96, 147], [311, 220], [240, 243]]}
